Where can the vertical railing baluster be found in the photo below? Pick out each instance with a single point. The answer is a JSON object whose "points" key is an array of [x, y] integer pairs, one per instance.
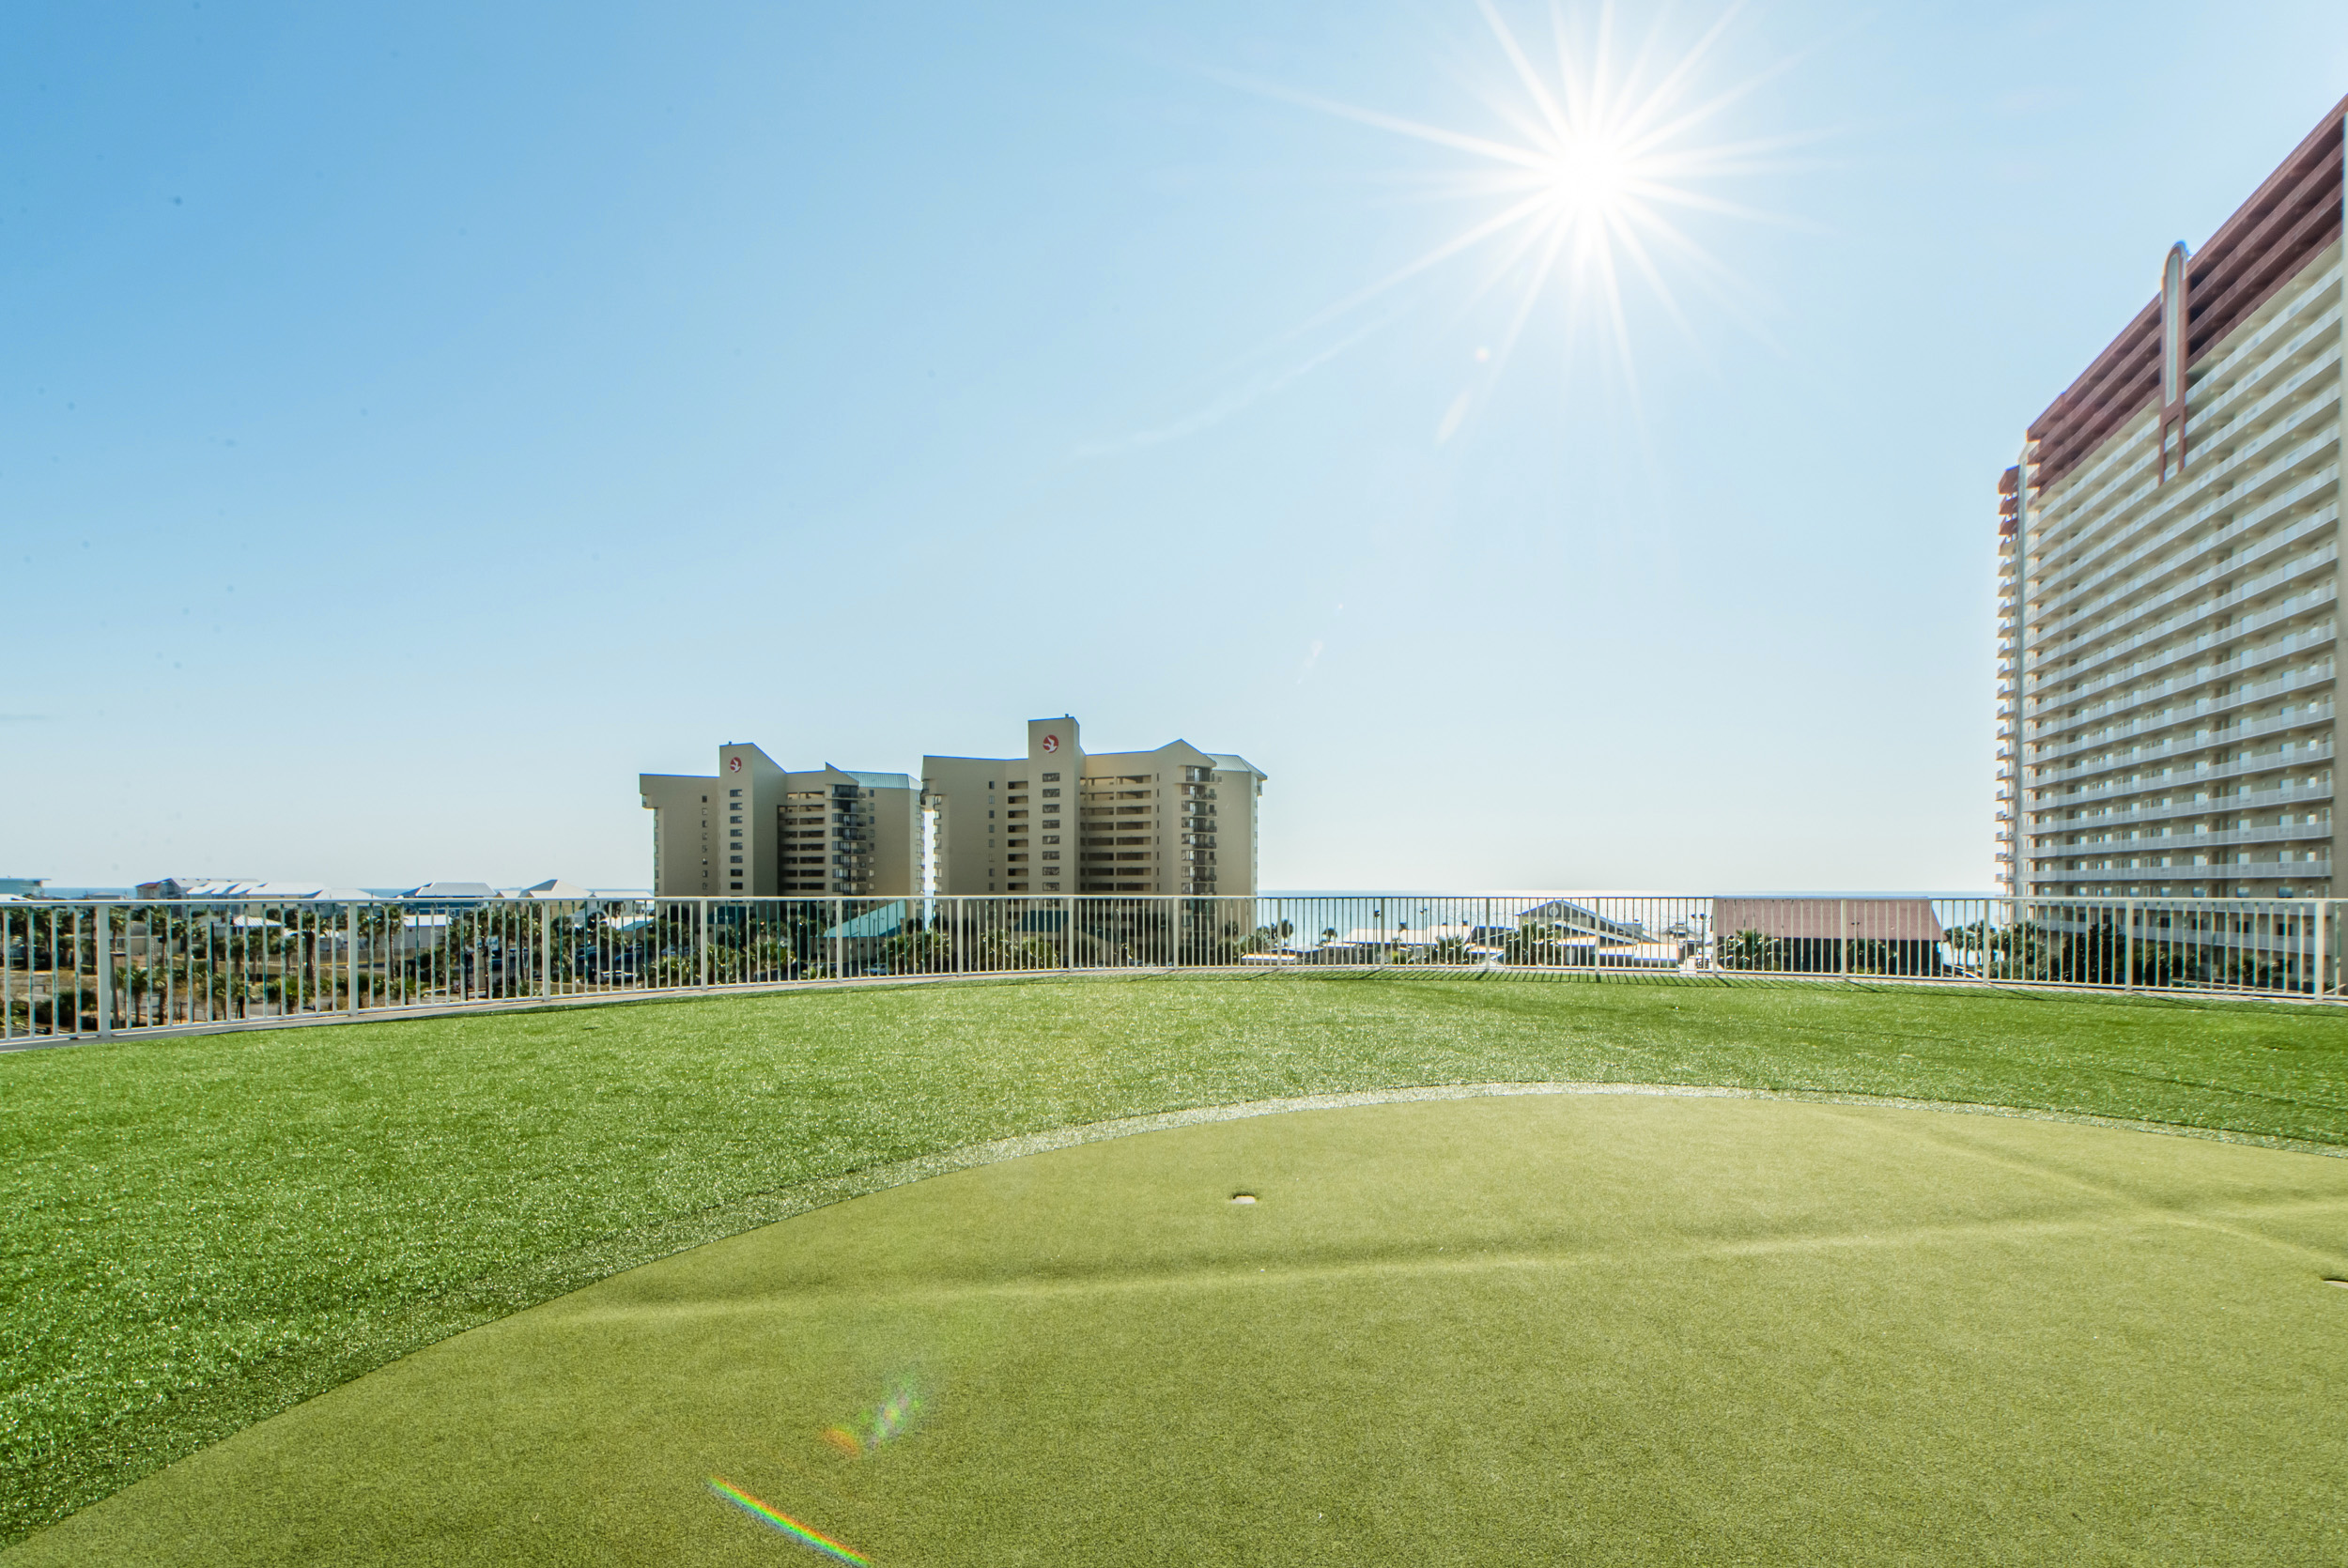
{"points": [[103, 938]]}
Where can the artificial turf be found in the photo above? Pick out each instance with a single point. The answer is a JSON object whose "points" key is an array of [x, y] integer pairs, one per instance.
{"points": [[206, 1230], [1556, 1327]]}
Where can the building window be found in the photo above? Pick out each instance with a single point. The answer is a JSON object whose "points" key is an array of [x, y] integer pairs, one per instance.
{"points": [[1052, 778]]}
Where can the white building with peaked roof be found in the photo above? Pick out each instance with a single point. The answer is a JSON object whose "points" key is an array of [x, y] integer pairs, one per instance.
{"points": [[231, 888]]}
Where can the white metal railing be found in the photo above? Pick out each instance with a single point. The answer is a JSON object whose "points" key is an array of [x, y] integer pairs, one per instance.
{"points": [[82, 969]]}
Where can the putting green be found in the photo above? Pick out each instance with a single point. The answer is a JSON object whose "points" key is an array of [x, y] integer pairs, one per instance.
{"points": [[1555, 1328]]}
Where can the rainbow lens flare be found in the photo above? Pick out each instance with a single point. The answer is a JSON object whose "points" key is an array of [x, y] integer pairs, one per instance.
{"points": [[783, 1522], [891, 1418]]}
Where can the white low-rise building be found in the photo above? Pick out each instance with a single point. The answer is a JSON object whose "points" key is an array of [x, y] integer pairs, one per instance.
{"points": [[230, 887]]}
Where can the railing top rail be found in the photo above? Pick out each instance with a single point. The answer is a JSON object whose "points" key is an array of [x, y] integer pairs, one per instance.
{"points": [[1496, 899]]}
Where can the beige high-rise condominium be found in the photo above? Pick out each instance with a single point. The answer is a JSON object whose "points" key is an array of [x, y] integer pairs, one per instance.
{"points": [[1172, 820], [1175, 821], [2169, 581], [759, 831]]}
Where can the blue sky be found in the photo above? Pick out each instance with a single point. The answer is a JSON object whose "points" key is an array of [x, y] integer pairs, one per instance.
{"points": [[413, 423]]}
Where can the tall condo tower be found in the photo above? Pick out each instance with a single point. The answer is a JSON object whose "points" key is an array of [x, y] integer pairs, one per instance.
{"points": [[2168, 576]]}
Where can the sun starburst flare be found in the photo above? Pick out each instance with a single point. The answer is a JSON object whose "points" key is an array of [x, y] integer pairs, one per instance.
{"points": [[1577, 189]]}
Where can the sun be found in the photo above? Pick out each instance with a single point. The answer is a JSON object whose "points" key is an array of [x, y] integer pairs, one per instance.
{"points": [[1584, 159], [1593, 155], [1589, 176]]}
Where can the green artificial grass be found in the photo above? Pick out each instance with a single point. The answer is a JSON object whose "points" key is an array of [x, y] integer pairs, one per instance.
{"points": [[1542, 1329], [205, 1231]]}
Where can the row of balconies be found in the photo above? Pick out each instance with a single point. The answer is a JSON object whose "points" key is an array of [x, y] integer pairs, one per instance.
{"points": [[2203, 707], [2313, 583], [2215, 838], [2294, 875], [2314, 751], [2234, 590], [2231, 865], [2314, 493], [2150, 719], [2052, 685], [2211, 484], [2318, 710], [2233, 487], [2185, 745], [2103, 487], [2140, 717], [2043, 681], [2248, 384], [2060, 600], [2233, 872], [2230, 832], [2128, 463], [2054, 820]]}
